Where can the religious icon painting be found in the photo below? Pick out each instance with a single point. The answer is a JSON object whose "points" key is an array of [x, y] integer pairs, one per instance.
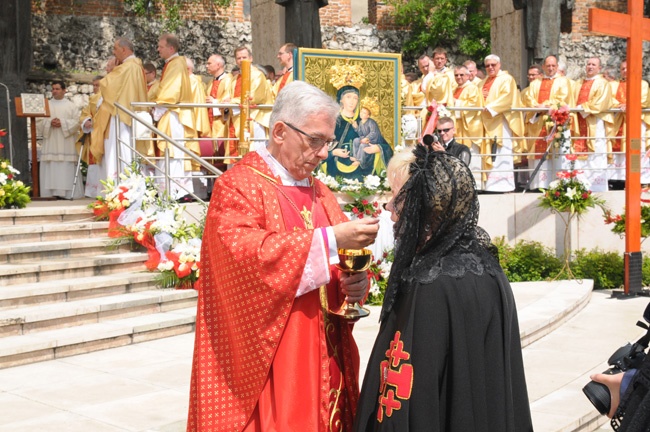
{"points": [[366, 86]]}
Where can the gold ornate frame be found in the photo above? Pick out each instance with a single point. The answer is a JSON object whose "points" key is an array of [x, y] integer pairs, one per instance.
{"points": [[382, 73]]}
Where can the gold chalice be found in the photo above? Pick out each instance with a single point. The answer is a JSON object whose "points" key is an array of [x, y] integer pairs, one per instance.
{"points": [[353, 261]]}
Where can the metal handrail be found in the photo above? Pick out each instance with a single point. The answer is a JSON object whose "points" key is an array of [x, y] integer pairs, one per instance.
{"points": [[209, 167]]}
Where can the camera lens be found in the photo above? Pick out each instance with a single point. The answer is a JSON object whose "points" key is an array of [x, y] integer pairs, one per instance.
{"points": [[598, 395]]}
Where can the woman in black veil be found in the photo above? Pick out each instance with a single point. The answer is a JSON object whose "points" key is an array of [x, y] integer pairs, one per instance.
{"points": [[448, 354]]}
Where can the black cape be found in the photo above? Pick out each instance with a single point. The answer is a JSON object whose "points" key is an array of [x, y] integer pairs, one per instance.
{"points": [[448, 358]]}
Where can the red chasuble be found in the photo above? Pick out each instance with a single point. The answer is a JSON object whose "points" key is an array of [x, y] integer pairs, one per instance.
{"points": [[580, 144], [262, 358]]}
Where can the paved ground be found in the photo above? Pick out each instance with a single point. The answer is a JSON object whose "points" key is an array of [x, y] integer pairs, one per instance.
{"points": [[144, 387]]}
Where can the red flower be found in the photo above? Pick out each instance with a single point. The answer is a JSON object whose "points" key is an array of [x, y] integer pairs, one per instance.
{"points": [[557, 193], [364, 202], [571, 157], [355, 210], [3, 132], [430, 108], [376, 204], [585, 195]]}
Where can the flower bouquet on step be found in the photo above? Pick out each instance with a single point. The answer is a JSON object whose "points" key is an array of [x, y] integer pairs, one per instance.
{"points": [[131, 189], [137, 211], [13, 192], [182, 266]]}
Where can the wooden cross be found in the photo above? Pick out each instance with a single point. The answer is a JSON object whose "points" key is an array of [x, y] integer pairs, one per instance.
{"points": [[635, 28]]}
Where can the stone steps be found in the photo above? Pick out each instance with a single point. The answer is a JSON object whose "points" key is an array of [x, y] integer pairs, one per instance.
{"points": [[11, 234], [30, 319], [63, 290], [67, 288], [75, 267], [52, 344], [46, 250], [43, 215]]}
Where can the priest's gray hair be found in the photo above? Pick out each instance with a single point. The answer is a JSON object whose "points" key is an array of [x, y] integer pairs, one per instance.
{"points": [[298, 101], [492, 57], [125, 43]]}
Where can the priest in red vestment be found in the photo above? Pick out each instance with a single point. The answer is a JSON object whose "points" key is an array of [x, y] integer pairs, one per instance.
{"points": [[268, 356]]}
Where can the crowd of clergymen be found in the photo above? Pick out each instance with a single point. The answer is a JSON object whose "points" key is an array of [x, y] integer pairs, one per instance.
{"points": [[506, 144]]}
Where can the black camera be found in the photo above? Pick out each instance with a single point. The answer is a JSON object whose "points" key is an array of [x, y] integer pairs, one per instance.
{"points": [[629, 356]]}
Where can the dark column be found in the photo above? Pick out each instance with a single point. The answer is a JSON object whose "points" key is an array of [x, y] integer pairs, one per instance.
{"points": [[16, 42]]}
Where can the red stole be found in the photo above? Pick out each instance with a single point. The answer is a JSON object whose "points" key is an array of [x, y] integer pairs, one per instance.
{"points": [[237, 92], [487, 86], [544, 94], [620, 96], [458, 92], [162, 74], [580, 144], [285, 77]]}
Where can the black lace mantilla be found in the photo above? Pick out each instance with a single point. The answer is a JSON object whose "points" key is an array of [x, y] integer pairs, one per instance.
{"points": [[436, 232]]}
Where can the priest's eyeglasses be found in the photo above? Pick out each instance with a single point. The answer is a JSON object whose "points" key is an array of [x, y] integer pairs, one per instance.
{"points": [[315, 143]]}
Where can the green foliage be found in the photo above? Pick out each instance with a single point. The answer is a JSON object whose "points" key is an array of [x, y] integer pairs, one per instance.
{"points": [[532, 261], [527, 261], [605, 268], [171, 9], [465, 23], [13, 192]]}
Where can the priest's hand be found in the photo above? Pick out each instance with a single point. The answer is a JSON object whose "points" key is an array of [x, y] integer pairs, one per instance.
{"points": [[356, 234], [354, 286]]}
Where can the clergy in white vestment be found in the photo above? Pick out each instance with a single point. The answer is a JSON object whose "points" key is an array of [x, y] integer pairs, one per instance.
{"points": [[58, 153], [125, 84], [502, 126], [592, 96], [178, 123]]}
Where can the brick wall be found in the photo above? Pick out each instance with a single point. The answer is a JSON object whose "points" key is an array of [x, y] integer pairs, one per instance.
{"points": [[379, 14], [580, 14], [336, 13], [111, 8], [199, 10]]}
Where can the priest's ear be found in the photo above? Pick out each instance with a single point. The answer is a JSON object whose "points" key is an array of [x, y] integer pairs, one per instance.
{"points": [[278, 132]]}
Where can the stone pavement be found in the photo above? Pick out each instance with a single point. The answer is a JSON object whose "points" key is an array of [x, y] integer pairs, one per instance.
{"points": [[568, 331]]}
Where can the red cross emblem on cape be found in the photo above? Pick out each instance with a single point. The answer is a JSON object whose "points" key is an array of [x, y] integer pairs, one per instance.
{"points": [[396, 378]]}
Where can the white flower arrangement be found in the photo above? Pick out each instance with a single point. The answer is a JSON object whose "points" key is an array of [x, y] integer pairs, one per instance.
{"points": [[443, 111], [135, 206]]}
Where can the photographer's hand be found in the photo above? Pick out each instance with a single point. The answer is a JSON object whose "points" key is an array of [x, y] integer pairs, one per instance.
{"points": [[613, 383]]}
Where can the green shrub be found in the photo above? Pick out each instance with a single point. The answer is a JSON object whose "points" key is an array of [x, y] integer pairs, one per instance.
{"points": [[605, 268], [527, 261], [531, 261]]}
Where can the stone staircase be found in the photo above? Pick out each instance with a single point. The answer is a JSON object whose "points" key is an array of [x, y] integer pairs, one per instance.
{"points": [[66, 288]]}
